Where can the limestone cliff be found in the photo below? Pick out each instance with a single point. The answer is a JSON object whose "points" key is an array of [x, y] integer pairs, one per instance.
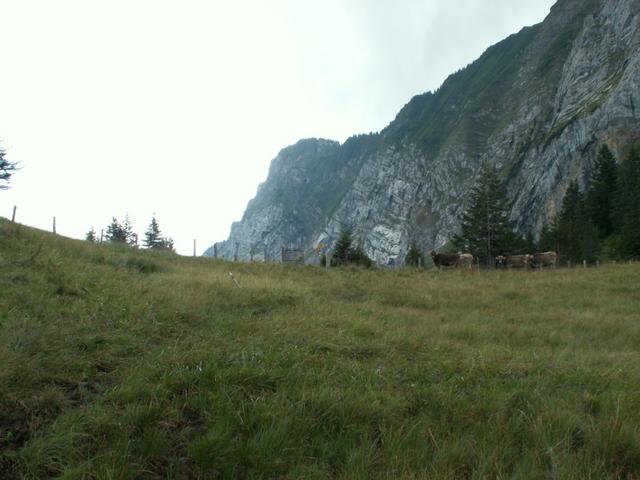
{"points": [[538, 104]]}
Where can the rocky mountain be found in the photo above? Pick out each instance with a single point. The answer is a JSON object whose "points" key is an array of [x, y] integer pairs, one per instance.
{"points": [[538, 105]]}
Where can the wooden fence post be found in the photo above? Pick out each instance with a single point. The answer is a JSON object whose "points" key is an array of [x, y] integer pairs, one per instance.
{"points": [[13, 216], [584, 264], [328, 258], [54, 224], [101, 235], [215, 251], [194, 247]]}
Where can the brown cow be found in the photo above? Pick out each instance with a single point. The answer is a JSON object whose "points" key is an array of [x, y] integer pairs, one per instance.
{"points": [[514, 261], [445, 259], [465, 260], [545, 259]]}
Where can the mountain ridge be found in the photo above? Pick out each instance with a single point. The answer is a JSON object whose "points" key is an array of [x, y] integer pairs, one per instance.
{"points": [[537, 104]]}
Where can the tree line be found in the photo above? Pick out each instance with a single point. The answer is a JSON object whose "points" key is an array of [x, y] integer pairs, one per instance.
{"points": [[122, 233], [601, 222]]}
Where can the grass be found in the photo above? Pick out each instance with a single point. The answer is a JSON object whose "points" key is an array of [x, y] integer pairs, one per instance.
{"points": [[117, 364]]}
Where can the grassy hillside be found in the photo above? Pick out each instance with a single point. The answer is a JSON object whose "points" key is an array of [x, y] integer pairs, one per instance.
{"points": [[123, 364]]}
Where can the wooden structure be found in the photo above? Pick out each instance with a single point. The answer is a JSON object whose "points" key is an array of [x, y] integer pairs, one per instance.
{"points": [[291, 255]]}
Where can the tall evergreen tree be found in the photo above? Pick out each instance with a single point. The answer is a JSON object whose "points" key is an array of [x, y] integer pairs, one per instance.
{"points": [[626, 209], [602, 190], [570, 223], [342, 250], [153, 236], [116, 232], [576, 236], [485, 229], [548, 237], [7, 169]]}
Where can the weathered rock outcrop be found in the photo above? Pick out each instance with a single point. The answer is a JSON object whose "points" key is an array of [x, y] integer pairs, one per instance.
{"points": [[538, 104]]}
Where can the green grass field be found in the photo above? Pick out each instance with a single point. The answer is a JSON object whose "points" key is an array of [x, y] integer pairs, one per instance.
{"points": [[123, 364]]}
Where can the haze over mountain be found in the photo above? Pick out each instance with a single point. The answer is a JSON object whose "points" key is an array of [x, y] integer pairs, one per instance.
{"points": [[538, 105]]}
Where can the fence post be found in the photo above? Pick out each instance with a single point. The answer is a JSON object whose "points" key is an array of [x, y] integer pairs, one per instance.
{"points": [[328, 257], [584, 264], [235, 253], [215, 251], [101, 235], [597, 263], [194, 247], [13, 216], [568, 263], [54, 224]]}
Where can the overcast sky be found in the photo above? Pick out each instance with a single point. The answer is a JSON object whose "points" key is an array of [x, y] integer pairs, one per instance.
{"points": [[177, 107]]}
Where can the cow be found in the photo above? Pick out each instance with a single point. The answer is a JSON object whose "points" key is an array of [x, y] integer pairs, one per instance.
{"points": [[465, 260], [445, 259], [514, 261], [544, 259]]}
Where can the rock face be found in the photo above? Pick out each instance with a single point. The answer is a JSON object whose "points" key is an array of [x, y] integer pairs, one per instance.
{"points": [[538, 105]]}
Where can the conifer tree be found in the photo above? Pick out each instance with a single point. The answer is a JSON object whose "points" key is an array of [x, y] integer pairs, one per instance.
{"points": [[116, 232], [626, 209], [414, 256], [153, 236], [342, 250], [577, 237], [548, 237], [570, 223], [91, 236], [600, 195], [485, 229], [7, 169], [167, 244], [345, 252], [128, 230]]}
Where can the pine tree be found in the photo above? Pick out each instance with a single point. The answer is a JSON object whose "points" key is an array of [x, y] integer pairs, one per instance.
{"points": [[577, 237], [116, 232], [626, 209], [414, 256], [91, 236], [153, 236], [7, 169], [342, 250], [548, 237], [485, 229], [600, 195], [128, 230], [345, 252]]}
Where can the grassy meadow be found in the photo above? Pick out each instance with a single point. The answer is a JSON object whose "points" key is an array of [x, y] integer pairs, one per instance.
{"points": [[123, 364]]}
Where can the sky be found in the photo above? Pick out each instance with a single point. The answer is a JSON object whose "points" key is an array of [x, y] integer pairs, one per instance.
{"points": [[176, 108]]}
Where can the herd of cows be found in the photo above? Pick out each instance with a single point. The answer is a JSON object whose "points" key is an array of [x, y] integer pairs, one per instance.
{"points": [[526, 261]]}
